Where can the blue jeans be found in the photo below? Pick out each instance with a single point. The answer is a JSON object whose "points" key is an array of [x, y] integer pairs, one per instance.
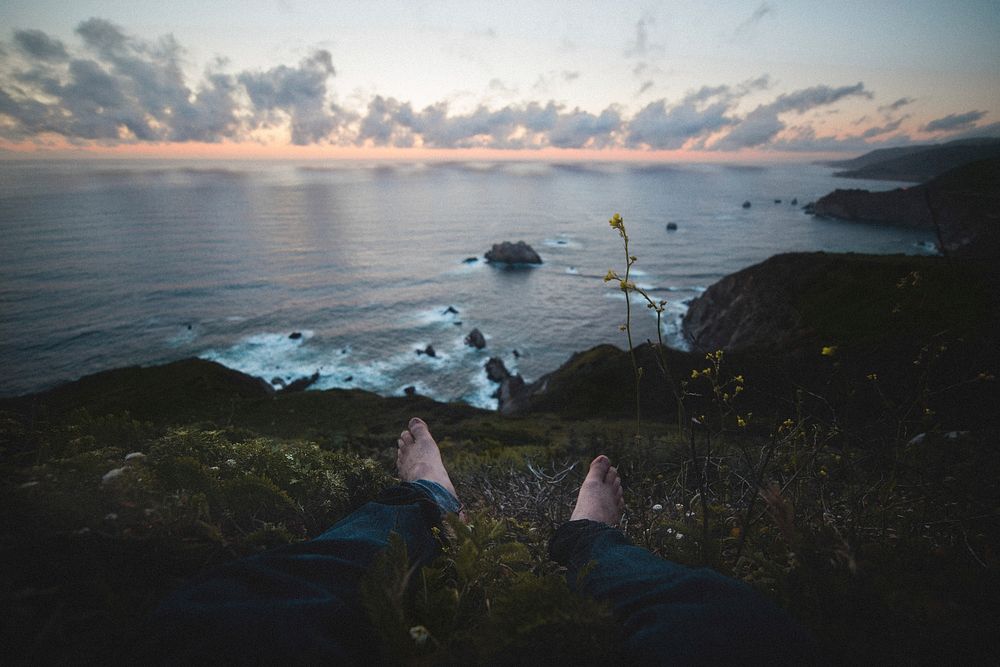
{"points": [[301, 603]]}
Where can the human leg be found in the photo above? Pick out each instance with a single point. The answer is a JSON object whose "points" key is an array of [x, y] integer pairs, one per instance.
{"points": [[302, 603], [669, 613]]}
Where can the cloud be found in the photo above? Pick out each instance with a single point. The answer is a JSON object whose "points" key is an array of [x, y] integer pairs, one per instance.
{"points": [[897, 105], [298, 93], [641, 46], [883, 129], [37, 44], [758, 14], [697, 115], [110, 87], [389, 122], [763, 124], [954, 122]]}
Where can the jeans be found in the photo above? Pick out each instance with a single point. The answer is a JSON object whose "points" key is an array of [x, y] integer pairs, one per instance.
{"points": [[301, 603]]}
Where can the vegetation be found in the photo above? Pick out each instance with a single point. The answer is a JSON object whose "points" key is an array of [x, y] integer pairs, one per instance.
{"points": [[853, 482]]}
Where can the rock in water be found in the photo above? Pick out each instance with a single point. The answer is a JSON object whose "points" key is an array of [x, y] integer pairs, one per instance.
{"points": [[795, 202], [429, 351], [476, 339], [495, 370], [470, 260], [295, 335], [512, 253], [746, 204], [302, 383], [450, 310], [671, 226], [410, 390]]}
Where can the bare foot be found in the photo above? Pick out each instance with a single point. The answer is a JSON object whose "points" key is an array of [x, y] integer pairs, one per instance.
{"points": [[601, 497], [418, 456]]}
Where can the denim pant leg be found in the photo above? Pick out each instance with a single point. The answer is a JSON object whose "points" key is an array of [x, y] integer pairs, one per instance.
{"points": [[672, 614], [301, 603]]}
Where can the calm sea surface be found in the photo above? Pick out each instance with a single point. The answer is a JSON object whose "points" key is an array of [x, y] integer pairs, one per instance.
{"points": [[111, 264]]}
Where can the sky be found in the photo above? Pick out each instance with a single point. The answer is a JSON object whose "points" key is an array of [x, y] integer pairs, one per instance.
{"points": [[698, 80]]}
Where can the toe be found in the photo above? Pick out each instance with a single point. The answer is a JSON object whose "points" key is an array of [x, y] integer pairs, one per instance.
{"points": [[599, 467], [406, 438], [612, 475], [418, 427]]}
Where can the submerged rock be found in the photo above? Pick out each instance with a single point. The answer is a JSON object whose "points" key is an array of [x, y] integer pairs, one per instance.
{"points": [[671, 226], [470, 260], [746, 204], [295, 335], [512, 253], [410, 390], [450, 310], [475, 339]]}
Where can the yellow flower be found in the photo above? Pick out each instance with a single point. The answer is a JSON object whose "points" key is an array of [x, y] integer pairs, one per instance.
{"points": [[695, 374], [740, 421], [616, 222], [739, 378], [872, 376], [829, 350], [610, 275]]}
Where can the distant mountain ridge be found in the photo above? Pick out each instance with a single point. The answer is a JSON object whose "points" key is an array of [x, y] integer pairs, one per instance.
{"points": [[917, 163]]}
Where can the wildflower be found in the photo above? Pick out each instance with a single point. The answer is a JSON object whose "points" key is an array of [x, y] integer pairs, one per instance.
{"points": [[985, 377], [679, 507], [829, 350], [610, 275], [695, 374], [420, 634], [616, 222], [679, 536], [872, 376], [741, 422], [657, 507], [725, 396], [739, 379]]}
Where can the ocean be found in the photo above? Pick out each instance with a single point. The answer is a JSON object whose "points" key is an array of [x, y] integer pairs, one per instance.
{"points": [[108, 264]]}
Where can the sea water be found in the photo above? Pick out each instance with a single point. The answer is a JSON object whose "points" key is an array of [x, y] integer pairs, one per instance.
{"points": [[108, 264]]}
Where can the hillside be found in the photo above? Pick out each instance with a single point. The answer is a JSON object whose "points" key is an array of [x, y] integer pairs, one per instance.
{"points": [[962, 206], [917, 163], [871, 409]]}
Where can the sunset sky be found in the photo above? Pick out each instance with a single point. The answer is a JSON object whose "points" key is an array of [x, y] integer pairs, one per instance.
{"points": [[722, 80]]}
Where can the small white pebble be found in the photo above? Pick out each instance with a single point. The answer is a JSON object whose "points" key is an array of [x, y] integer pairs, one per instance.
{"points": [[149, 511], [82, 531], [679, 536], [679, 507], [230, 462], [657, 507], [214, 468], [669, 530], [28, 485], [135, 458], [111, 475], [110, 516]]}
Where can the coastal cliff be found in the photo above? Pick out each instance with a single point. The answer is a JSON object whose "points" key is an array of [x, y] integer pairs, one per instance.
{"points": [[962, 206]]}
